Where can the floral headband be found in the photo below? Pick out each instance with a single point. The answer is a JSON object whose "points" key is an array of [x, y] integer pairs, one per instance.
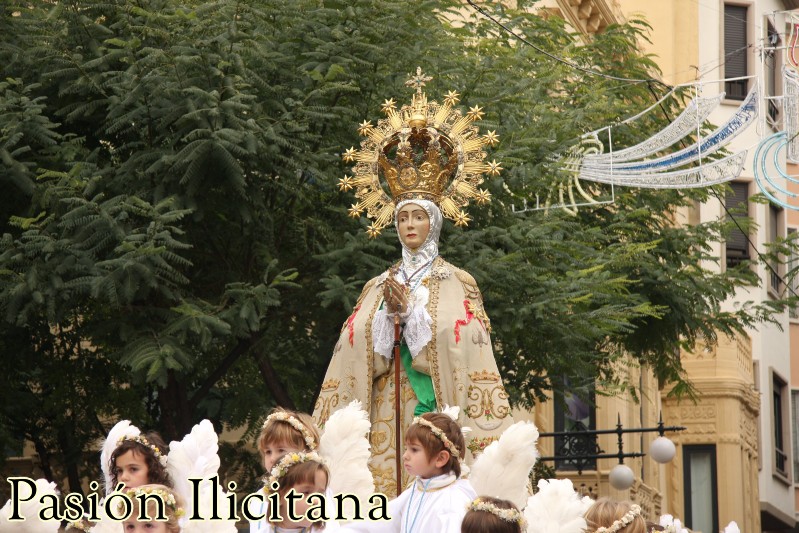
{"points": [[291, 459], [435, 430], [141, 439], [165, 496], [283, 416], [508, 515], [80, 525], [622, 522]]}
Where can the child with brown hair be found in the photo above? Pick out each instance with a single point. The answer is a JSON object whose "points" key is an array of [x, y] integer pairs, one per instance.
{"points": [[133, 458], [609, 516], [283, 432], [172, 509], [437, 498], [492, 515], [306, 474], [286, 431]]}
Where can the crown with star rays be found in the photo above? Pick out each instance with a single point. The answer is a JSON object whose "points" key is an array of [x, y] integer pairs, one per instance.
{"points": [[424, 150]]}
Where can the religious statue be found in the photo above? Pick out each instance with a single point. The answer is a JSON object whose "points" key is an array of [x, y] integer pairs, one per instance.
{"points": [[431, 158]]}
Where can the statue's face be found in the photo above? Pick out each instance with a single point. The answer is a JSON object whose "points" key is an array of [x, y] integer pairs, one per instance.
{"points": [[413, 225]]}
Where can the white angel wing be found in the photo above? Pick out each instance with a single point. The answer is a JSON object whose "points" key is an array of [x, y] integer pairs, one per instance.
{"points": [[122, 428], [503, 469], [345, 447], [196, 456], [30, 511], [732, 527], [451, 411], [556, 508]]}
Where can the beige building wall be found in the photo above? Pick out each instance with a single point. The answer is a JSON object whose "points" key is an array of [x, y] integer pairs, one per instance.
{"points": [[735, 410]]}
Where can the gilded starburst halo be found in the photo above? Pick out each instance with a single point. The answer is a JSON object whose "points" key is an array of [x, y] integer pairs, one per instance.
{"points": [[387, 167], [345, 183], [452, 98], [349, 154], [389, 105], [462, 219], [365, 127], [475, 113]]}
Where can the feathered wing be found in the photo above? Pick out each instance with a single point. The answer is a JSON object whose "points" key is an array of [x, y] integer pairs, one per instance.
{"points": [[451, 411], [122, 428], [674, 524], [556, 508], [503, 469], [30, 511], [732, 527], [345, 447], [196, 456]]}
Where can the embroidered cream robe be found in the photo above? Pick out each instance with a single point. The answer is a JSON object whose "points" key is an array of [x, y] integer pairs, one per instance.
{"points": [[459, 359]]}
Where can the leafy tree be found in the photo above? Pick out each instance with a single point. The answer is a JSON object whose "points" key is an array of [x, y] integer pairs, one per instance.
{"points": [[175, 246]]}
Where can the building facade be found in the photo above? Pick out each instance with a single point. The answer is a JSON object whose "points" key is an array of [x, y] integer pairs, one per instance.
{"points": [[737, 458]]}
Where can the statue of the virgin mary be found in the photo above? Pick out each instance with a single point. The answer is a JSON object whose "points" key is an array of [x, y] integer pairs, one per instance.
{"points": [[431, 158]]}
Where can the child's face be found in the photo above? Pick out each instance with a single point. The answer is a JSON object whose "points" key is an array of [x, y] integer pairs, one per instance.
{"points": [[131, 469], [416, 461], [276, 450], [301, 506], [133, 526]]}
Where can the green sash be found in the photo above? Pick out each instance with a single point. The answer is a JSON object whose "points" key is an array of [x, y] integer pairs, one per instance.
{"points": [[421, 383]]}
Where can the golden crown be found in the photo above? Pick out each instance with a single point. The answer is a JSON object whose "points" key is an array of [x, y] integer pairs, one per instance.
{"points": [[425, 150]]}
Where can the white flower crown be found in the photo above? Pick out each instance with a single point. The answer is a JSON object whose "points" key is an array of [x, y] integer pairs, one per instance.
{"points": [[283, 416], [165, 496], [435, 430], [624, 521], [508, 515], [141, 439], [291, 459]]}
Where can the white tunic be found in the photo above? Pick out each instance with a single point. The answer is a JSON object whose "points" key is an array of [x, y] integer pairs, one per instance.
{"points": [[436, 504]]}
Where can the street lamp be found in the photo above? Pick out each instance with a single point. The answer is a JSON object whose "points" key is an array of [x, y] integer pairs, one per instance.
{"points": [[621, 477]]}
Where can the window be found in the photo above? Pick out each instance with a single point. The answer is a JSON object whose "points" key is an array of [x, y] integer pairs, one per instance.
{"points": [[795, 431], [778, 410], [701, 496], [774, 213], [736, 50], [575, 413], [737, 203]]}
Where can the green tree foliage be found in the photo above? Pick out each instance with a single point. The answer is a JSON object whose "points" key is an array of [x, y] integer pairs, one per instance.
{"points": [[175, 246]]}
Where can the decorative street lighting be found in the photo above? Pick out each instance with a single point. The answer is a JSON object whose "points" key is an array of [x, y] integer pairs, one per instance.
{"points": [[580, 449]]}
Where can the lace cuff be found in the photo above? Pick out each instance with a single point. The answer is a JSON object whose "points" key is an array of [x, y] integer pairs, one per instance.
{"points": [[383, 333], [418, 331]]}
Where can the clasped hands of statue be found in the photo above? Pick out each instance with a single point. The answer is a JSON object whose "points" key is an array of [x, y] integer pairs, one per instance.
{"points": [[395, 295]]}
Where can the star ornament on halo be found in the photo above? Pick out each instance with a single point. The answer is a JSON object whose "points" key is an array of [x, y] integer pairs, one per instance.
{"points": [[372, 232], [354, 211], [452, 98], [365, 127], [491, 137], [349, 154], [389, 105], [494, 169], [482, 197], [345, 183], [475, 113], [462, 219]]}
